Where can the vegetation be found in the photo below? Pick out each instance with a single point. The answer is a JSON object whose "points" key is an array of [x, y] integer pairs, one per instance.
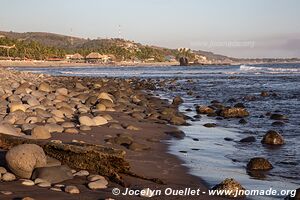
{"points": [[29, 49], [40, 46]]}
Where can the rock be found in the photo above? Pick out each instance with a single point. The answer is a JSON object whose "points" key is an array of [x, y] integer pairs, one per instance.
{"points": [[264, 94], [277, 116], [177, 134], [72, 189], [210, 125], [54, 128], [82, 173], [100, 107], [239, 105], [56, 189], [234, 113], [28, 198], [272, 138], [259, 164], [33, 102], [132, 128], [28, 183], [116, 126], [2, 170], [99, 121], [176, 120], [24, 158], [39, 180], [55, 174], [278, 123], [44, 184], [79, 86], [230, 184], [51, 162], [71, 131], [228, 139], [62, 91], [86, 121], [243, 121], [105, 96], [45, 87], [16, 106], [9, 130], [8, 177], [248, 139], [58, 113], [40, 132], [6, 192], [96, 177], [204, 110], [183, 61], [134, 146], [123, 140], [99, 184], [85, 128], [177, 101]]}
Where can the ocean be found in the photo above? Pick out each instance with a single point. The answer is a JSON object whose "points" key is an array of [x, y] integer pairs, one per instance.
{"points": [[216, 153]]}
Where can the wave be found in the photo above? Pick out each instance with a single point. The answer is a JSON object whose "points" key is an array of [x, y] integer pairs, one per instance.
{"points": [[269, 70]]}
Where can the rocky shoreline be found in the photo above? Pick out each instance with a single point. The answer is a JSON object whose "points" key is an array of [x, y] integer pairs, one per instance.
{"points": [[78, 138]]}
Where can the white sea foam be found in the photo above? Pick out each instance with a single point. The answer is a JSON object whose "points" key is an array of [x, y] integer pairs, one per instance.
{"points": [[269, 70]]}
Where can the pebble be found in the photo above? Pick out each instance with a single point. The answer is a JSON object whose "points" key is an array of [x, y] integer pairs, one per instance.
{"points": [[82, 173], [8, 177], [56, 189], [39, 180], [72, 189], [100, 184], [27, 198], [28, 183], [6, 192], [44, 184], [2, 170], [95, 178]]}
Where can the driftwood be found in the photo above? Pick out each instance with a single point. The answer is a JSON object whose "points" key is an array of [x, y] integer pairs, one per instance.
{"points": [[105, 161]]}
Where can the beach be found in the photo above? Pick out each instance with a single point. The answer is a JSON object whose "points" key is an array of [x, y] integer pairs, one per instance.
{"points": [[39, 63], [178, 128], [146, 151]]}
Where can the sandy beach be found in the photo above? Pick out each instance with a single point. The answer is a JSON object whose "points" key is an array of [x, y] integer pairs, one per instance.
{"points": [[135, 122], [5, 64]]}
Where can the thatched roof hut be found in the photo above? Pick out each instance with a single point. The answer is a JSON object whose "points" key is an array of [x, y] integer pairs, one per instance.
{"points": [[77, 56], [94, 55]]}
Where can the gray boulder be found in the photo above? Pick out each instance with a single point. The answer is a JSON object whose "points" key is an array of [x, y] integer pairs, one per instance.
{"points": [[54, 174]]}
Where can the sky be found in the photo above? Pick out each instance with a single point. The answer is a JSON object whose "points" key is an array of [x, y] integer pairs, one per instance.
{"points": [[238, 28]]}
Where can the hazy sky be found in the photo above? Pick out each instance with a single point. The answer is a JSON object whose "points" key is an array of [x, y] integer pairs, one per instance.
{"points": [[241, 28]]}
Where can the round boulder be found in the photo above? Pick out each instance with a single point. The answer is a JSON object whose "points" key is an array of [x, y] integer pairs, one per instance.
{"points": [[24, 158], [272, 138], [40, 132], [86, 121]]}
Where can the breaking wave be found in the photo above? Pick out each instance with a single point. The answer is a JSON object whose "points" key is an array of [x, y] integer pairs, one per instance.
{"points": [[269, 70]]}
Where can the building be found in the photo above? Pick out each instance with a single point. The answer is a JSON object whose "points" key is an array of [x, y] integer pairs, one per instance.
{"points": [[96, 57]]}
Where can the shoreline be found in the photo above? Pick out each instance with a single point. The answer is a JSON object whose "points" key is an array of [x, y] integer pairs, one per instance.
{"points": [[50, 64], [146, 162], [47, 64]]}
